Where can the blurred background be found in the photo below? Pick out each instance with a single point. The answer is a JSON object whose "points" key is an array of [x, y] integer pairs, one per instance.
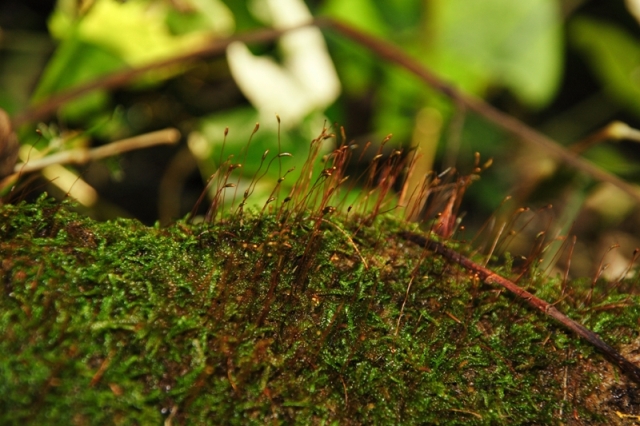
{"points": [[565, 67]]}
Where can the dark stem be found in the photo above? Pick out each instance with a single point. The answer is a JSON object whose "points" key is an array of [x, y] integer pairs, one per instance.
{"points": [[388, 51], [49, 106], [488, 276], [382, 48]]}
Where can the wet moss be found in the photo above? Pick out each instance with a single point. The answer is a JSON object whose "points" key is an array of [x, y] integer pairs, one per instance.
{"points": [[271, 321]]}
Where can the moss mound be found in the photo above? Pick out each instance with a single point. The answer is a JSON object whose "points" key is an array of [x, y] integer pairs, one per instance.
{"points": [[262, 320]]}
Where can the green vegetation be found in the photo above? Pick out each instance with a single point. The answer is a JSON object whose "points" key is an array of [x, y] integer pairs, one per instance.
{"points": [[269, 321], [293, 300]]}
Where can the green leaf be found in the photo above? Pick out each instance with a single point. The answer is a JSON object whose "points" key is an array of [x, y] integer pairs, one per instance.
{"points": [[135, 31], [359, 13], [610, 158], [614, 56], [89, 62], [355, 64], [111, 36], [397, 99], [517, 44], [404, 16], [207, 145]]}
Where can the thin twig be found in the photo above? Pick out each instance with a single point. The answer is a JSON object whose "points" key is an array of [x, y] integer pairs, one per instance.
{"points": [[392, 53], [488, 276], [48, 107], [381, 47], [84, 155]]}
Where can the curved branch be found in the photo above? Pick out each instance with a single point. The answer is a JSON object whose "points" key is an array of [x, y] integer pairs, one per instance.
{"points": [[514, 126], [627, 367], [117, 79], [383, 49]]}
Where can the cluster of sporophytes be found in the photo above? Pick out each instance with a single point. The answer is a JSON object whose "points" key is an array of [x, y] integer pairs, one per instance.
{"points": [[316, 307]]}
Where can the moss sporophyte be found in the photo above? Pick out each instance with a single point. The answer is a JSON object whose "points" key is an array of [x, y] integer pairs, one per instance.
{"points": [[315, 307]]}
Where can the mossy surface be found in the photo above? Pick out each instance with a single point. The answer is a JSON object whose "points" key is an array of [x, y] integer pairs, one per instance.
{"points": [[262, 321]]}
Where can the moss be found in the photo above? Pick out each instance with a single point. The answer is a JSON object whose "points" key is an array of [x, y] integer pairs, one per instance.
{"points": [[265, 321]]}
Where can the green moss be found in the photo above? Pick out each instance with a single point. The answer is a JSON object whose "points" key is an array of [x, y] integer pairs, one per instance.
{"points": [[271, 322]]}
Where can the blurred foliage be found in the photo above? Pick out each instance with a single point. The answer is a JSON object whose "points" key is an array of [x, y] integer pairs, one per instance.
{"points": [[567, 67], [614, 55]]}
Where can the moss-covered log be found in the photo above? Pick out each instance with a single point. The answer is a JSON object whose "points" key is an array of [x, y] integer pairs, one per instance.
{"points": [[261, 320]]}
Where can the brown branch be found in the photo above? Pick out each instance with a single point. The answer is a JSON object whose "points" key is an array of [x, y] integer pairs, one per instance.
{"points": [[49, 106], [488, 276], [382, 48], [388, 51]]}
